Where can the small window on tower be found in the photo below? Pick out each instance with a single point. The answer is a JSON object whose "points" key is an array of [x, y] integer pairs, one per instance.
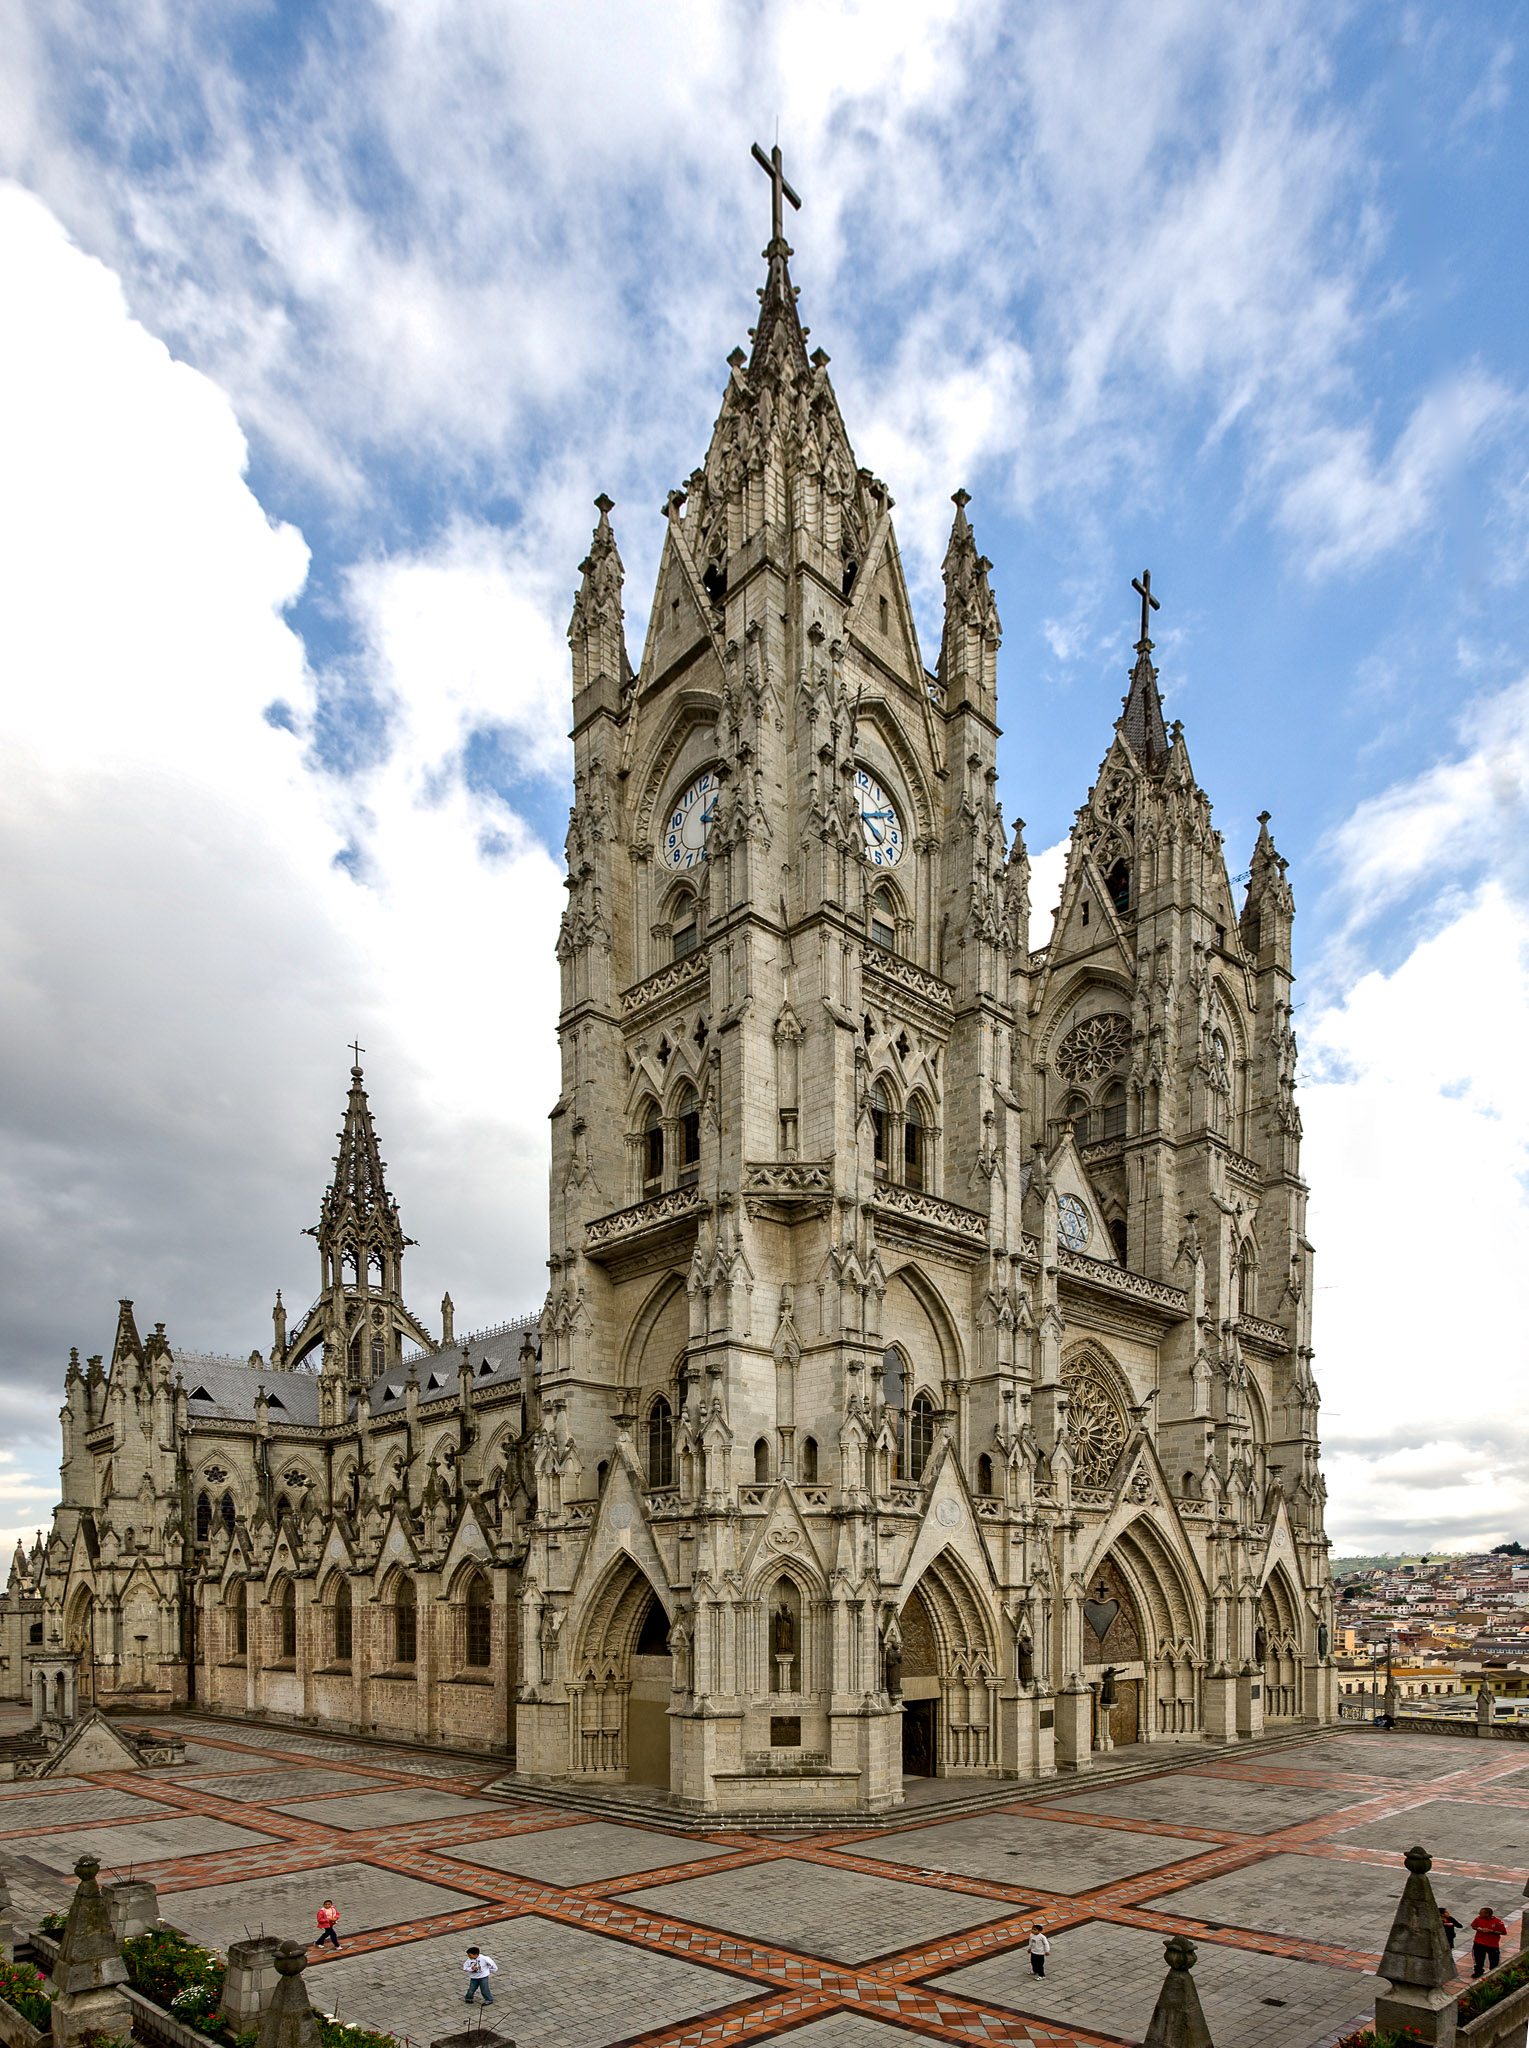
{"points": [[690, 1138], [686, 937], [886, 616], [379, 1356], [652, 1151], [1118, 1233], [1112, 1111], [883, 921], [715, 580], [881, 1110], [1085, 910], [1118, 881]]}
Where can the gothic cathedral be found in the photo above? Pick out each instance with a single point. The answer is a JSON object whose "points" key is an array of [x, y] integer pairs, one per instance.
{"points": [[924, 1384], [925, 1380]]}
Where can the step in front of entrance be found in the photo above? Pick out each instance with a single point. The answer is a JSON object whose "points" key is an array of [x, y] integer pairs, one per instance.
{"points": [[927, 1798]]}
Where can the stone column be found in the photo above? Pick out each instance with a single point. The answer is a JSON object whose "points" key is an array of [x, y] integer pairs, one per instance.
{"points": [[289, 2021], [1177, 2019], [1417, 1963], [250, 1983], [89, 1969], [133, 1906]]}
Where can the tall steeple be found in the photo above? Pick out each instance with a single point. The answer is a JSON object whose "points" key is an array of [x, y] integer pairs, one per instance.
{"points": [[360, 1316], [1141, 720]]}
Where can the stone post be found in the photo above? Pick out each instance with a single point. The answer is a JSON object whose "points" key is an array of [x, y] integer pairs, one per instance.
{"points": [[250, 1982], [89, 1968], [289, 2021], [1417, 1963], [1485, 1701], [133, 1905], [8, 1925], [1177, 2020]]}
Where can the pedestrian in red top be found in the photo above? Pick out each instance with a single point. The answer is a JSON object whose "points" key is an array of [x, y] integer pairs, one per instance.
{"points": [[1487, 1932], [328, 1914]]}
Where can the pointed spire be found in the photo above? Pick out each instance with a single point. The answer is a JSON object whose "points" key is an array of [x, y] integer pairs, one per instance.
{"points": [[1178, 2020], [595, 633], [779, 326], [128, 1344], [1268, 910], [1141, 720], [969, 648], [358, 1184]]}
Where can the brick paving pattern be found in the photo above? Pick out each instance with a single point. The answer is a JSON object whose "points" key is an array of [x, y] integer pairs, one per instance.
{"points": [[1282, 1865]]}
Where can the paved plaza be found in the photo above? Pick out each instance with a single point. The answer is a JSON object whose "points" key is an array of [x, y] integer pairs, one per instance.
{"points": [[1282, 1865]]}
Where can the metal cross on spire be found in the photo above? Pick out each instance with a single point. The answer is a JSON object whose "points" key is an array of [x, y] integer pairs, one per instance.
{"points": [[357, 1050], [779, 189], [1142, 585]]}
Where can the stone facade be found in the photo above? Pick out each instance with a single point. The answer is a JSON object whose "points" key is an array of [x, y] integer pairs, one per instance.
{"points": [[924, 1383]]}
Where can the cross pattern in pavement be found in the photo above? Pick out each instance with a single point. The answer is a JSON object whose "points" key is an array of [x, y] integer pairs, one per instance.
{"points": [[1282, 1865]]}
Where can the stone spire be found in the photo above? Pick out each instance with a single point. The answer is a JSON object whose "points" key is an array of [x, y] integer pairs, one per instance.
{"points": [[1178, 2020], [595, 633], [969, 648], [1141, 720], [1417, 1962]]}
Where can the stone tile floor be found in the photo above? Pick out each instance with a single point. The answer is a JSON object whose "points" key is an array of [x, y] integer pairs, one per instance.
{"points": [[1282, 1864]]}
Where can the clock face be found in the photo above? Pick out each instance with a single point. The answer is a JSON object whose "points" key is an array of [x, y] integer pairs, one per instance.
{"points": [[688, 822], [1072, 1224], [879, 822]]}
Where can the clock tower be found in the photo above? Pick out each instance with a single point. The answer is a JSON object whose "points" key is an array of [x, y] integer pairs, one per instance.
{"points": [[836, 1295]]}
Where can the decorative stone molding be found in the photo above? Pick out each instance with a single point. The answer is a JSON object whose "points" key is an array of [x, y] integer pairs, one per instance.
{"points": [[878, 963], [788, 1177], [1100, 1273], [967, 1224], [622, 1224], [1264, 1333], [674, 982]]}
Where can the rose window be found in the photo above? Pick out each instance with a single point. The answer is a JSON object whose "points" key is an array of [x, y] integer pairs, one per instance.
{"points": [[1097, 1425], [1093, 1047]]}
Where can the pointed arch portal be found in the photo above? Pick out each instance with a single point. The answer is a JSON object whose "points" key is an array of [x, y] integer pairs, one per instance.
{"points": [[620, 1689], [949, 1676]]}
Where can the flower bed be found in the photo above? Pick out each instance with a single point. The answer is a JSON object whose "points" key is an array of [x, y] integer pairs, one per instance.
{"points": [[22, 1989], [178, 1975], [1489, 1990]]}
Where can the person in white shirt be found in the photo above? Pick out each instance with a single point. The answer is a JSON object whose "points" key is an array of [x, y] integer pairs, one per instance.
{"points": [[479, 1968], [1040, 1948]]}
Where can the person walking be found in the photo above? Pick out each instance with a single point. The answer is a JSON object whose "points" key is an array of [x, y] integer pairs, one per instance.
{"points": [[1450, 1925], [1040, 1948], [479, 1968], [1487, 1932], [328, 1914]]}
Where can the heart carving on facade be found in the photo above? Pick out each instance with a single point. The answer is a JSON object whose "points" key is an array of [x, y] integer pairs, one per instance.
{"points": [[785, 1539], [1101, 1613]]}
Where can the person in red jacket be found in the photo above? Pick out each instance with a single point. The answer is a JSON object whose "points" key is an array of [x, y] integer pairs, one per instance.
{"points": [[328, 1914], [1487, 1932]]}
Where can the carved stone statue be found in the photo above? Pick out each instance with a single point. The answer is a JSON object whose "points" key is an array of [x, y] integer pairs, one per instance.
{"points": [[783, 1631]]}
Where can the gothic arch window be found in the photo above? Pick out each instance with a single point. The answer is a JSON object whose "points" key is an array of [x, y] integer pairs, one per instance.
{"points": [[984, 1474], [405, 1621], [1112, 1111], [920, 1435], [660, 1443], [1120, 1238], [343, 1624], [1094, 1419], [286, 1615], [1118, 882], [203, 1517], [915, 1143], [684, 925], [785, 1637], [652, 1149], [894, 1381], [1247, 1280], [761, 1462], [810, 1460], [283, 1506], [884, 920], [480, 1621], [238, 1621], [881, 1127], [227, 1511], [690, 1136], [379, 1357]]}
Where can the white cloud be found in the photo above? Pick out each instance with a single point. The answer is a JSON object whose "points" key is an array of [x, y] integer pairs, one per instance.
{"points": [[181, 958], [1048, 871], [1416, 1105]]}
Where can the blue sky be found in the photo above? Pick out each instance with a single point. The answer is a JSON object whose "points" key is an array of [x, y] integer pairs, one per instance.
{"points": [[331, 320]]}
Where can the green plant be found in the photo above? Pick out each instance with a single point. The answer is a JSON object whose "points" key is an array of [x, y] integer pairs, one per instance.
{"points": [[1488, 1990], [1367, 2038], [340, 2034], [22, 1990], [166, 1967], [51, 1923]]}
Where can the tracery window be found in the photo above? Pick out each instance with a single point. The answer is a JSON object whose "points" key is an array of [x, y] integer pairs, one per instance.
{"points": [[920, 1435], [239, 1620], [227, 1511], [881, 1117], [343, 1624], [405, 1622], [893, 1383], [1112, 1111], [690, 1138], [1091, 1048], [287, 1614], [203, 1518], [1094, 1417], [480, 1613], [652, 1150], [1118, 882], [660, 1443], [913, 1147]]}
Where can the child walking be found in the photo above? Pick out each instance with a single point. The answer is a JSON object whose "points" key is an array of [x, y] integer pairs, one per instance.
{"points": [[479, 1968], [328, 1914], [1040, 1948]]}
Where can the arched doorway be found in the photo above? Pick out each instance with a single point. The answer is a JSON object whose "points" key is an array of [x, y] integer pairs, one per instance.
{"points": [[622, 1682], [1277, 1649], [949, 1676], [1113, 1650]]}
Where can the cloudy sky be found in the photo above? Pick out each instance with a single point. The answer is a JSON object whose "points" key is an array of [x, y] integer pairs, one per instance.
{"points": [[324, 323]]}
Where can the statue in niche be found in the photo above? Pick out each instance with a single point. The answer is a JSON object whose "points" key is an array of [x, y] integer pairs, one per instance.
{"points": [[1107, 1693], [783, 1631], [892, 1659]]}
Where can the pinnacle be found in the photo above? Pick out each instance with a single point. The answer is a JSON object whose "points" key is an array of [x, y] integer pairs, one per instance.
{"points": [[1141, 718]]}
